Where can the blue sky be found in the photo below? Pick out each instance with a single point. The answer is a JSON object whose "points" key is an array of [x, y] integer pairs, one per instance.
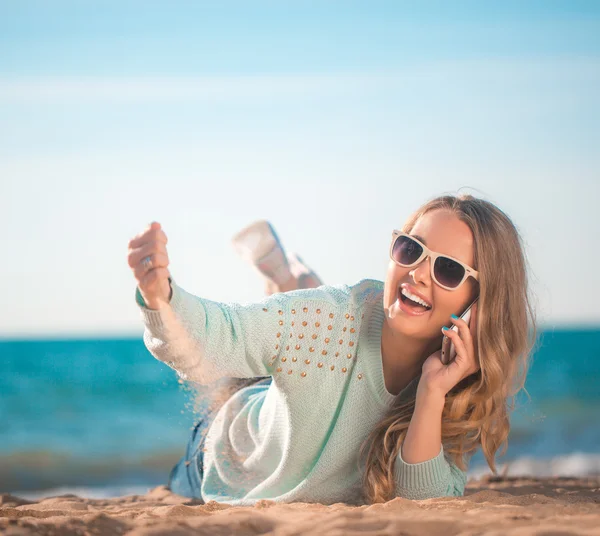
{"points": [[334, 120]]}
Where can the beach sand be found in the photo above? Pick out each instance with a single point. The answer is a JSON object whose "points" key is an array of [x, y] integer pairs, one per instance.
{"points": [[493, 506]]}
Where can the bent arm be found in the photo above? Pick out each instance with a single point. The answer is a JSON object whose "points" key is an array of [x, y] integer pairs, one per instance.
{"points": [[422, 470]]}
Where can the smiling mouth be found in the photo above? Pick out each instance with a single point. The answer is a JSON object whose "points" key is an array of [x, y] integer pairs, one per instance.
{"points": [[411, 303]]}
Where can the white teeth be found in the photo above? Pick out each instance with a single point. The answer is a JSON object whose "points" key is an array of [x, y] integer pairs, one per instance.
{"points": [[415, 298]]}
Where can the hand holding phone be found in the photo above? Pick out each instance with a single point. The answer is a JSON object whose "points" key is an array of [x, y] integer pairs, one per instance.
{"points": [[448, 350]]}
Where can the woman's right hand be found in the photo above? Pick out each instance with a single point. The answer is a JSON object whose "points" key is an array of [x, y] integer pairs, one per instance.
{"points": [[152, 276]]}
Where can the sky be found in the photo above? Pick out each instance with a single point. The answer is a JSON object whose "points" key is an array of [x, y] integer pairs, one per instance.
{"points": [[333, 120]]}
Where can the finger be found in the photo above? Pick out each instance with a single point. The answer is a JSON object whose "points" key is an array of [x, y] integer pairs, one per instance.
{"points": [[136, 255], [464, 331], [153, 233], [157, 260], [151, 282]]}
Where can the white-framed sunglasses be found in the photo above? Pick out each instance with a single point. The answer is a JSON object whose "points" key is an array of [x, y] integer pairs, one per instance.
{"points": [[448, 272]]}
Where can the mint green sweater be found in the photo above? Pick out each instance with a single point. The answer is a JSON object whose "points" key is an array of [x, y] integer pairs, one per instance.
{"points": [[299, 438]]}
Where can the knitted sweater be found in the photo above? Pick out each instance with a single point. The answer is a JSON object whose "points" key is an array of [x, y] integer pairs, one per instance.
{"points": [[299, 438]]}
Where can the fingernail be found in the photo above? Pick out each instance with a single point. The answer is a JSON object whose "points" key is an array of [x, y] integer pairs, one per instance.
{"points": [[445, 328], [455, 317]]}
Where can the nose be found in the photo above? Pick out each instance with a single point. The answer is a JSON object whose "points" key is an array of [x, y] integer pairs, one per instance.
{"points": [[422, 272]]}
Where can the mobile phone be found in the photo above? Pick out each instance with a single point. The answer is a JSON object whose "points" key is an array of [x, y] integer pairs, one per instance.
{"points": [[448, 350]]}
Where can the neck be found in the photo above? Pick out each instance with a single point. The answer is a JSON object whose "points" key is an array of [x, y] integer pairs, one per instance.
{"points": [[403, 357]]}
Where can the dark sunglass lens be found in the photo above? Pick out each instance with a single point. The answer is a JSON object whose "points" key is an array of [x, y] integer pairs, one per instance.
{"points": [[448, 272], [406, 250]]}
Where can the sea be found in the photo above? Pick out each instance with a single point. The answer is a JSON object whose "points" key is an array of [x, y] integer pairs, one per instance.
{"points": [[103, 418]]}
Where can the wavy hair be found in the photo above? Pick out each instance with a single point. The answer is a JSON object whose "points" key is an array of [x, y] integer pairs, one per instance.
{"points": [[476, 411]]}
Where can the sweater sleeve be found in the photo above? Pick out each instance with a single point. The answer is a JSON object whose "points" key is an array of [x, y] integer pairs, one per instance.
{"points": [[437, 477], [204, 340]]}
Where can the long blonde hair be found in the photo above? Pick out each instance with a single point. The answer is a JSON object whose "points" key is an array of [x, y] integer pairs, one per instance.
{"points": [[476, 411]]}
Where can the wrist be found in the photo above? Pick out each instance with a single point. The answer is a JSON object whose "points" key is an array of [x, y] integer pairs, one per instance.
{"points": [[430, 396]]}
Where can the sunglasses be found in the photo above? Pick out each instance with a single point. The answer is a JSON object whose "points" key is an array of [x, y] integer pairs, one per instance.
{"points": [[447, 272]]}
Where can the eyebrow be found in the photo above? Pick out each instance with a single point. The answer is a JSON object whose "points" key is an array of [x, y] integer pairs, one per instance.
{"points": [[419, 238]]}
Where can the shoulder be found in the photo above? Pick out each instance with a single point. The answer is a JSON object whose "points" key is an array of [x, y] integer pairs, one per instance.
{"points": [[357, 295]]}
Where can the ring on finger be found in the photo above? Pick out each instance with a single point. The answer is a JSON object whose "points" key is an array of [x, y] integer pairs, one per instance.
{"points": [[147, 262]]}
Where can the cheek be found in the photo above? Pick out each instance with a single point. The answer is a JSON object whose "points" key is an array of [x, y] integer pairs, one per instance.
{"points": [[449, 303], [392, 280]]}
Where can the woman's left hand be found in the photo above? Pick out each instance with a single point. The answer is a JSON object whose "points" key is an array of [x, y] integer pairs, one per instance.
{"points": [[439, 378]]}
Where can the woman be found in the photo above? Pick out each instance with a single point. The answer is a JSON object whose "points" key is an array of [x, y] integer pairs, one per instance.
{"points": [[358, 405]]}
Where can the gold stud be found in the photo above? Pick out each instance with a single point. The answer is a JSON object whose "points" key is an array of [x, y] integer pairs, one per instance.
{"points": [[278, 335], [341, 341], [276, 347], [290, 371], [297, 347], [293, 323], [278, 369], [336, 354], [345, 328], [318, 311], [320, 365], [307, 361], [280, 312], [293, 311], [294, 359], [351, 318], [332, 367], [352, 330], [349, 356], [327, 340], [291, 335], [351, 343], [330, 315], [284, 359], [318, 324], [265, 309], [287, 347], [305, 309], [311, 349], [301, 336], [360, 376], [347, 315], [329, 327], [281, 322], [303, 374], [304, 323], [274, 358], [314, 336], [324, 352], [344, 370]]}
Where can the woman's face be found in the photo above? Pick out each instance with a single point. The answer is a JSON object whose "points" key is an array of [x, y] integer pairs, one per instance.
{"points": [[442, 232]]}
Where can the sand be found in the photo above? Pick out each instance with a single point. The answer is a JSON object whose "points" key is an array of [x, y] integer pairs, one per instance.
{"points": [[492, 506]]}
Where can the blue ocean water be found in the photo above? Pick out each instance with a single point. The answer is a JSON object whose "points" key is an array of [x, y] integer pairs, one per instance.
{"points": [[105, 414]]}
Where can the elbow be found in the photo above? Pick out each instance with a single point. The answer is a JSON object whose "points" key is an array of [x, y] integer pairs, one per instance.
{"points": [[419, 494]]}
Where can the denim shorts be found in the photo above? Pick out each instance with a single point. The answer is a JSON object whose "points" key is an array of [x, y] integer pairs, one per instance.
{"points": [[186, 477]]}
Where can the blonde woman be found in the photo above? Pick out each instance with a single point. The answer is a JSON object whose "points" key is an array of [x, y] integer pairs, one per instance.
{"points": [[357, 405]]}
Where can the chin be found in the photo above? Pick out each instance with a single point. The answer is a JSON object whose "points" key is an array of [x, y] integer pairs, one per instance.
{"points": [[400, 322]]}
